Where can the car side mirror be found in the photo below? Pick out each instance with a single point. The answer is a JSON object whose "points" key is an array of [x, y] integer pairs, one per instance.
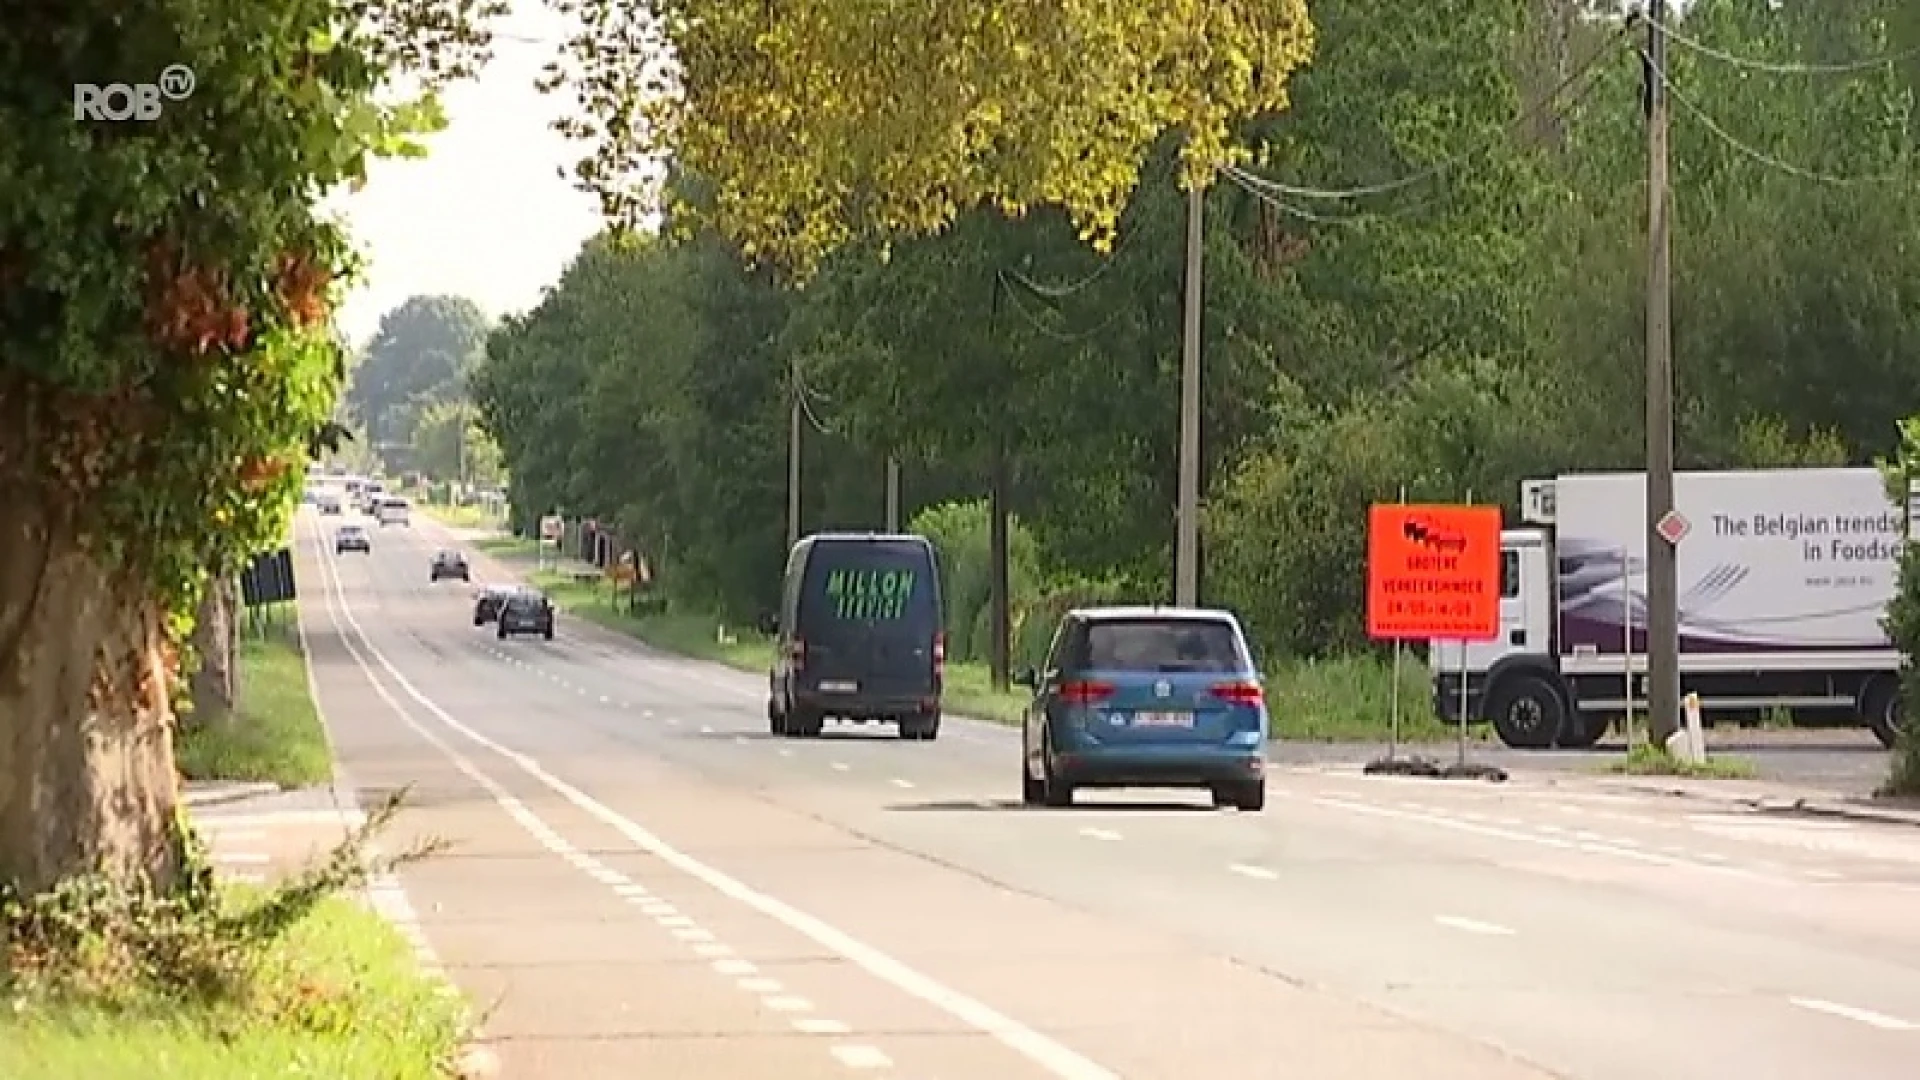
{"points": [[1028, 678], [768, 624]]}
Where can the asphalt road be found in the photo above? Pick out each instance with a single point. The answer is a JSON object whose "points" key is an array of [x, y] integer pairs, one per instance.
{"points": [[643, 883]]}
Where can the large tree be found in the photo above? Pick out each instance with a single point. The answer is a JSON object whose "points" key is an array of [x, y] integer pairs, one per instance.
{"points": [[420, 357], [165, 356], [817, 121]]}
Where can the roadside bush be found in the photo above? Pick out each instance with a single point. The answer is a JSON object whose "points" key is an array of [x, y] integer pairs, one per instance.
{"points": [[112, 948], [961, 537], [1033, 630], [1903, 615]]}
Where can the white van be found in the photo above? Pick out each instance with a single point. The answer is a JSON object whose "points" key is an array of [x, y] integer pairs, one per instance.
{"points": [[394, 512]]}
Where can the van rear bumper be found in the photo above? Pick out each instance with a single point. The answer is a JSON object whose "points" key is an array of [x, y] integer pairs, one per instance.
{"points": [[865, 706]]}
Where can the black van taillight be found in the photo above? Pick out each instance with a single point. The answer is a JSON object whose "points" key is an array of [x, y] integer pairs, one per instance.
{"points": [[940, 655]]}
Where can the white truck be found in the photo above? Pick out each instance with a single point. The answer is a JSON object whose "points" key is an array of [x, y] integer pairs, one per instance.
{"points": [[1784, 577]]}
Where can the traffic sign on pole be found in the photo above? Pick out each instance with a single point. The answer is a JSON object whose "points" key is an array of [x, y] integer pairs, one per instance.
{"points": [[1433, 572]]}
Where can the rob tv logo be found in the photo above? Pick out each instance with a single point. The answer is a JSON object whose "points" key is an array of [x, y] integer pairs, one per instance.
{"points": [[120, 102]]}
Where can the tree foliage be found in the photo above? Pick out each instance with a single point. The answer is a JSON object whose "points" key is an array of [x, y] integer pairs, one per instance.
{"points": [[164, 300], [420, 357], [818, 121]]}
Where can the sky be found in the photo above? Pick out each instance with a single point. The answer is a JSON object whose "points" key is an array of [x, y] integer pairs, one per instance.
{"points": [[486, 214]]}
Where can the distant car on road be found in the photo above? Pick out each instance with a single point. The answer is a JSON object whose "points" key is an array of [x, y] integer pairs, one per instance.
{"points": [[352, 538], [1145, 697], [487, 602], [328, 502], [449, 564], [525, 611], [860, 636], [393, 510]]}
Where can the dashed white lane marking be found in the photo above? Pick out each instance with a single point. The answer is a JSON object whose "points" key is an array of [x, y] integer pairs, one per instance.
{"points": [[1258, 872], [1100, 834], [240, 858], [899, 783], [814, 1025], [840, 766], [706, 729], [386, 895], [605, 700], [1473, 926], [856, 1056], [784, 752], [646, 714], [233, 836], [739, 740], [1857, 1015], [1054, 1057]]}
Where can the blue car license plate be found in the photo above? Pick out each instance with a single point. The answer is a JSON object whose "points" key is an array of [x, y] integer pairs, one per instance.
{"points": [[1163, 719]]}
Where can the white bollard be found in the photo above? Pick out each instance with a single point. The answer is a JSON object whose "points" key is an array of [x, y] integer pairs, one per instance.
{"points": [[1690, 742]]}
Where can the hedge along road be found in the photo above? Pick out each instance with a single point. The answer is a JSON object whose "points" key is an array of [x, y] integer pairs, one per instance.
{"points": [[1151, 939]]}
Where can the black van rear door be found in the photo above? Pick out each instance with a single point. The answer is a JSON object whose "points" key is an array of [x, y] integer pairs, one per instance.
{"points": [[869, 613]]}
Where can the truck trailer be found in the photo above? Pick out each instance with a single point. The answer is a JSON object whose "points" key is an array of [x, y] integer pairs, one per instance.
{"points": [[1784, 576]]}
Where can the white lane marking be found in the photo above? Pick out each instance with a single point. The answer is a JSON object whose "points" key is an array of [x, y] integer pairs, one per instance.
{"points": [[245, 877], [814, 1025], [903, 784], [1567, 844], [605, 700], [1054, 1057], [1849, 1012], [240, 858], [606, 876], [1259, 872], [788, 1004], [630, 891], [739, 740], [646, 714], [693, 934], [673, 721], [733, 965], [1100, 834], [839, 766], [675, 922], [861, 1056], [1473, 926], [784, 752]]}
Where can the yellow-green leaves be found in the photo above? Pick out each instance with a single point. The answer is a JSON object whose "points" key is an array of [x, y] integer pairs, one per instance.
{"points": [[814, 121]]}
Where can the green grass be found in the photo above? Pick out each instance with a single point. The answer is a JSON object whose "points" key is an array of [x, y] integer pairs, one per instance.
{"points": [[275, 734], [1340, 700], [339, 996], [1645, 759], [461, 517], [507, 547]]}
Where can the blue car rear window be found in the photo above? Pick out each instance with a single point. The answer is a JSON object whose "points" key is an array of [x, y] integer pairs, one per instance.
{"points": [[1163, 645]]}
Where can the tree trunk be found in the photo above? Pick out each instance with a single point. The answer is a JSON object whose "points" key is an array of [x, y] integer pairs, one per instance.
{"points": [[86, 754], [216, 682]]}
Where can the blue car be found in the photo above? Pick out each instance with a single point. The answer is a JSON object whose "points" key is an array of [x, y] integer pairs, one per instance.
{"points": [[1146, 697]]}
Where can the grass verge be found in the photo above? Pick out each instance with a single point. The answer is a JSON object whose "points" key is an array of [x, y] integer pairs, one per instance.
{"points": [[275, 734], [460, 517], [338, 995], [1645, 759], [1346, 699]]}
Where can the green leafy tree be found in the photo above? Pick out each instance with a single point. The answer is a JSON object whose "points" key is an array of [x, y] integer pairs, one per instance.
{"points": [[164, 300], [419, 358]]}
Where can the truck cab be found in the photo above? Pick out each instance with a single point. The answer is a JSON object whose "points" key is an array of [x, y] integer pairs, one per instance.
{"points": [[1521, 658]]}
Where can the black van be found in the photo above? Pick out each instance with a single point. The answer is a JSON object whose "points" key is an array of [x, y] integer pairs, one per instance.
{"points": [[860, 635]]}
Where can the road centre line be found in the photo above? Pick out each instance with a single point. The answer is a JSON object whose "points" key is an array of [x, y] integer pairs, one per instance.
{"points": [[1052, 1056], [1858, 1015], [1260, 873], [1473, 926]]}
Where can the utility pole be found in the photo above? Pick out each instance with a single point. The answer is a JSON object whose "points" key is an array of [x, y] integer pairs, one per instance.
{"points": [[793, 462], [893, 494], [1663, 629], [1186, 544]]}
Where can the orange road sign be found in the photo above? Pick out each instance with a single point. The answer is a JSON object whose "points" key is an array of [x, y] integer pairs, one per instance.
{"points": [[1433, 572]]}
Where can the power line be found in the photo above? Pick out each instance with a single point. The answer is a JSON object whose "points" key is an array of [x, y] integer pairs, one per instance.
{"points": [[1531, 116], [1061, 292], [1775, 67], [1040, 326], [1754, 153]]}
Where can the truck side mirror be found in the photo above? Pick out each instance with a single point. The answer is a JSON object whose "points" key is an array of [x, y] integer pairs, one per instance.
{"points": [[1028, 678], [769, 624]]}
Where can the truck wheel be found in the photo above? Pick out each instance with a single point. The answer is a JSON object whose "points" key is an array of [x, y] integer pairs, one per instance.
{"points": [[1527, 712], [1582, 730], [1880, 708]]}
